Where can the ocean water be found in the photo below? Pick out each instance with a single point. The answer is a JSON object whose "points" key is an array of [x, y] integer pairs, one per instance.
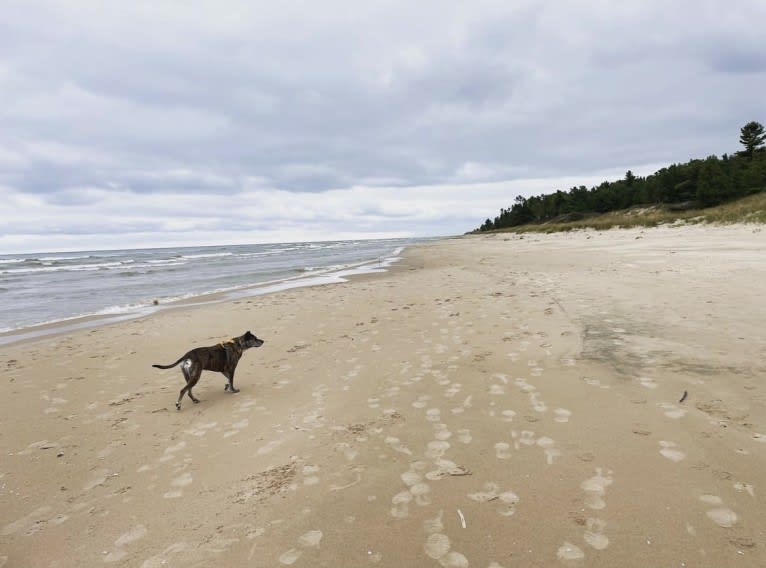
{"points": [[74, 289]]}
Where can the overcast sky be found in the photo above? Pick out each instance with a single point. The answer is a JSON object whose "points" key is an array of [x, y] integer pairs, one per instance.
{"points": [[131, 123]]}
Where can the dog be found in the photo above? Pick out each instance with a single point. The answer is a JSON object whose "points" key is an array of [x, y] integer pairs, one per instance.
{"points": [[221, 358]]}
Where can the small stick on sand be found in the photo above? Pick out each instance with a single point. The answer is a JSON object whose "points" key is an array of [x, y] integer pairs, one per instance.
{"points": [[683, 398]]}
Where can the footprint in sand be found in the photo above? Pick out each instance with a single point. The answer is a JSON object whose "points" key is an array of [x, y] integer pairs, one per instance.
{"points": [[496, 389], [162, 559], [526, 438], [595, 488], [595, 536], [741, 486], [502, 451], [393, 391], [346, 478], [422, 401], [181, 481], [508, 499], [669, 450], [411, 477], [594, 383], [309, 477], [199, 430], [569, 551], [169, 452], [647, 382], [244, 406], [464, 435], [466, 404], [562, 415], [524, 385], [348, 452], [400, 505], [454, 389], [236, 427], [508, 415], [547, 444], [98, 477], [436, 449], [722, 516], [537, 403], [433, 415], [397, 445], [438, 545], [441, 432], [420, 492], [314, 419], [134, 534], [310, 539], [268, 448], [32, 518], [41, 445], [671, 410]]}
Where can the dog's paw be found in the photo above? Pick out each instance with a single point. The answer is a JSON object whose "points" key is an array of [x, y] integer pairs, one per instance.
{"points": [[178, 406]]}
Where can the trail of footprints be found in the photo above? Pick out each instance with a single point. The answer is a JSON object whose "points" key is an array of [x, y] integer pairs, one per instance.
{"points": [[595, 499], [435, 465]]}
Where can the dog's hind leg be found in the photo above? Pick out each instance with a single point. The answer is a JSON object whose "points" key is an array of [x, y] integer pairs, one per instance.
{"points": [[195, 371], [180, 396], [191, 374]]}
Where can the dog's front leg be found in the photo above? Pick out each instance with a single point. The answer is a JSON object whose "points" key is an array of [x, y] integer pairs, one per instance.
{"points": [[230, 385]]}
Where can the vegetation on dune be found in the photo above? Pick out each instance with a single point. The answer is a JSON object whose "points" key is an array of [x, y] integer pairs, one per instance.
{"points": [[725, 189]]}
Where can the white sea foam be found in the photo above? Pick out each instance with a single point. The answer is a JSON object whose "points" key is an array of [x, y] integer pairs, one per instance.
{"points": [[89, 288]]}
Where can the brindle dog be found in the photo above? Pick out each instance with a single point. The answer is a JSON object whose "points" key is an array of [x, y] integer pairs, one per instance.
{"points": [[221, 358]]}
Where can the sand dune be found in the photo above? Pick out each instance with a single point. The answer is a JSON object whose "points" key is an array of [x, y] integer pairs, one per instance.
{"points": [[581, 399]]}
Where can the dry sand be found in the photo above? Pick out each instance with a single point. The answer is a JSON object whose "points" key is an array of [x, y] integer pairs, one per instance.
{"points": [[491, 401]]}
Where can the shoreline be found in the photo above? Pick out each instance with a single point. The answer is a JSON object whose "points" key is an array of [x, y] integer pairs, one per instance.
{"points": [[317, 277], [488, 401]]}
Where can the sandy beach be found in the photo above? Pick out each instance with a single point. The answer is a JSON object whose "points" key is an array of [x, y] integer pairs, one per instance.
{"points": [[574, 399]]}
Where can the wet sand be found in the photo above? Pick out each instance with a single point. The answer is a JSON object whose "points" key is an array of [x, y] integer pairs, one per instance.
{"points": [[580, 399]]}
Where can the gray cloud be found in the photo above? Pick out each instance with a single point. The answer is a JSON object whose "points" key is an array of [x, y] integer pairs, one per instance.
{"points": [[148, 98]]}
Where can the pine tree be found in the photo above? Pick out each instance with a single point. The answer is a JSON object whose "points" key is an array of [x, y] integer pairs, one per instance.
{"points": [[752, 137]]}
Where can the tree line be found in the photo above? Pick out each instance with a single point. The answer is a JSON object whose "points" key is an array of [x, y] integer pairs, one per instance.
{"points": [[697, 183]]}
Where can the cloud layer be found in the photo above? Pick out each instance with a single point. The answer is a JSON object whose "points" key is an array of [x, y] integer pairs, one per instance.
{"points": [[290, 121]]}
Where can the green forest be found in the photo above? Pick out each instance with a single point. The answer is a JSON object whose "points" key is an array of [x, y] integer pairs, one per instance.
{"points": [[698, 183]]}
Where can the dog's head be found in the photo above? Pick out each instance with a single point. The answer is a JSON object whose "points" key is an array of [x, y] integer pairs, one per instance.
{"points": [[248, 340]]}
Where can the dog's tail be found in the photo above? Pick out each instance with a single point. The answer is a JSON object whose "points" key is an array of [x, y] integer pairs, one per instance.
{"points": [[171, 365]]}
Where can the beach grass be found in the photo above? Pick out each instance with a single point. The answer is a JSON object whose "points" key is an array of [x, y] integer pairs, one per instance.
{"points": [[750, 209]]}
